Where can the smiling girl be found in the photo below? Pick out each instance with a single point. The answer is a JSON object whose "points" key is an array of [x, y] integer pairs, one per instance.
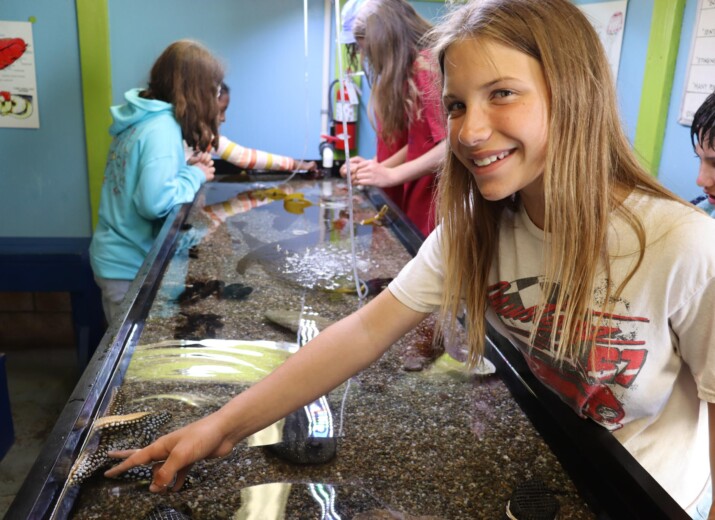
{"points": [[592, 269], [550, 231]]}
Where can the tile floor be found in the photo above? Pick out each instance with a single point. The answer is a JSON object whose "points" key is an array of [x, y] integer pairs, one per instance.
{"points": [[40, 380]]}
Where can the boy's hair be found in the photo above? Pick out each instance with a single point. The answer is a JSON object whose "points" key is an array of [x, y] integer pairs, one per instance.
{"points": [[589, 168], [187, 75], [392, 35], [703, 128]]}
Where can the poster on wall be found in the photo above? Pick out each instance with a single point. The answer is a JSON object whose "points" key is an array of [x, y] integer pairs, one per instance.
{"points": [[700, 76], [609, 19], [18, 86]]}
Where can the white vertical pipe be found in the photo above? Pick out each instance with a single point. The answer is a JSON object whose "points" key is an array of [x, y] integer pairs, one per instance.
{"points": [[305, 28]]}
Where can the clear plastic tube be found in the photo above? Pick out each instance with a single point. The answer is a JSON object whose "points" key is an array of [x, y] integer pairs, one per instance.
{"points": [[359, 288]]}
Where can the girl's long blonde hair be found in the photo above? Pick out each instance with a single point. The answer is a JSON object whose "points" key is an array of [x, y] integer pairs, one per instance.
{"points": [[392, 34], [589, 169]]}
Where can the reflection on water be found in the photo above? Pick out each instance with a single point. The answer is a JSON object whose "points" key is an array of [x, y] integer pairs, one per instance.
{"points": [[283, 501], [288, 501], [245, 201], [187, 398], [305, 240], [327, 267], [238, 362], [228, 361], [308, 435], [310, 262], [297, 320], [299, 236]]}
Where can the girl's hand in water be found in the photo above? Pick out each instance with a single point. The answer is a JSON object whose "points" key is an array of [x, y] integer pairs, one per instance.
{"points": [[172, 455]]}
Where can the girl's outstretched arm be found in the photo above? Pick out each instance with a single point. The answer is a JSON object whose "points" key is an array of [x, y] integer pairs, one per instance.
{"points": [[336, 354]]}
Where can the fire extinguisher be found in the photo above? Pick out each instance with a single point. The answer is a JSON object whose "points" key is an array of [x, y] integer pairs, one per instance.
{"points": [[346, 110]]}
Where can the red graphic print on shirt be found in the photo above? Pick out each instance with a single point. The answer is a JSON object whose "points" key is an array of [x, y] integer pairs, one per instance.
{"points": [[588, 383]]}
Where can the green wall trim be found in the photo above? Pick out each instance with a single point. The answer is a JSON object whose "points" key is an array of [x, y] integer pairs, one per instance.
{"points": [[95, 61], [663, 44]]}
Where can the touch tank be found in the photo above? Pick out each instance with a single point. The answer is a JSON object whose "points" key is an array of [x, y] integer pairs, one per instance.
{"points": [[236, 283]]}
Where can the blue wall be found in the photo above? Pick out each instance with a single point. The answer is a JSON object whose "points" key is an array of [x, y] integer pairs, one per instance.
{"points": [[276, 92], [43, 173]]}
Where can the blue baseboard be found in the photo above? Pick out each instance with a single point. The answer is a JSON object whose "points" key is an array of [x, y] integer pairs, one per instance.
{"points": [[57, 265]]}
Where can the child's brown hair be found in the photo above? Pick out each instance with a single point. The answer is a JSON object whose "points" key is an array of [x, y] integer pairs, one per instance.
{"points": [[392, 35], [188, 76]]}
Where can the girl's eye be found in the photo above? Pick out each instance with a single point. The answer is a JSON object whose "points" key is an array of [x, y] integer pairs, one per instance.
{"points": [[502, 93], [454, 106]]}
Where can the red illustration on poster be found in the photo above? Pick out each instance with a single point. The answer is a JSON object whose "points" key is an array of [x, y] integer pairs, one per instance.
{"points": [[18, 85], [10, 50]]}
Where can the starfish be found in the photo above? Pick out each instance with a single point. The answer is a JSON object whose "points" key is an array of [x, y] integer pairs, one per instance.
{"points": [[118, 432]]}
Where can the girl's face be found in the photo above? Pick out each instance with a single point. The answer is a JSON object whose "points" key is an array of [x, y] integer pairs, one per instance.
{"points": [[223, 101], [497, 107]]}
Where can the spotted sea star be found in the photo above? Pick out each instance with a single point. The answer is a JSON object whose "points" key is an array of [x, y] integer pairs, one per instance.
{"points": [[118, 432]]}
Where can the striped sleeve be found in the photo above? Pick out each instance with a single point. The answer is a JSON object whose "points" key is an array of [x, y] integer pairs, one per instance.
{"points": [[250, 158]]}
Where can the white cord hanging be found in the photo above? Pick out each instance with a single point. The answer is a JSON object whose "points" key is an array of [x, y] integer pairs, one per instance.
{"points": [[359, 288], [306, 92]]}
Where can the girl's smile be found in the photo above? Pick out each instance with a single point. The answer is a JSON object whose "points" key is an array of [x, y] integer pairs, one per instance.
{"points": [[497, 107]]}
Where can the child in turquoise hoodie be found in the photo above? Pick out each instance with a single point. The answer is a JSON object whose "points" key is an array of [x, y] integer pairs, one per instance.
{"points": [[146, 174]]}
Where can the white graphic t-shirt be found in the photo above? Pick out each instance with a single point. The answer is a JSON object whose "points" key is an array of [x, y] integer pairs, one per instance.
{"points": [[653, 365]]}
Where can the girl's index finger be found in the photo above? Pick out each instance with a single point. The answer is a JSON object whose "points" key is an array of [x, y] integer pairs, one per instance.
{"points": [[134, 458], [121, 454]]}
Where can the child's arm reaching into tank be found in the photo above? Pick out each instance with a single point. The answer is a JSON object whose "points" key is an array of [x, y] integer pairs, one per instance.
{"points": [[336, 354], [257, 159]]}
